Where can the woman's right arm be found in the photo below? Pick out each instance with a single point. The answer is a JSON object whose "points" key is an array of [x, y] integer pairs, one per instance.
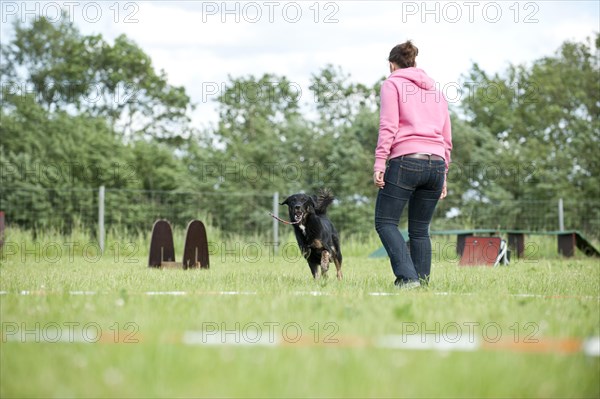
{"points": [[389, 116]]}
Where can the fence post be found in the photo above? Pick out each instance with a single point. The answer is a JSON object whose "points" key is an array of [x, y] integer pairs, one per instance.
{"points": [[1, 229], [101, 219], [561, 215], [275, 223]]}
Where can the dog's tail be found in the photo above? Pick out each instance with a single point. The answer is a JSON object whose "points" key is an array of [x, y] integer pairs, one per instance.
{"points": [[323, 200]]}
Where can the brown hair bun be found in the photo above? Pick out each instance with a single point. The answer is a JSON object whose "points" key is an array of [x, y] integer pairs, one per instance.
{"points": [[404, 55]]}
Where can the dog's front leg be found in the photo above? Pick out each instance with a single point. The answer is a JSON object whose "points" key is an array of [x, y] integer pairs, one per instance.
{"points": [[338, 266], [314, 270], [324, 262]]}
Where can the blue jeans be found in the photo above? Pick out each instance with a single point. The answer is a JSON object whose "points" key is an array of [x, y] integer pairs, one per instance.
{"points": [[421, 182]]}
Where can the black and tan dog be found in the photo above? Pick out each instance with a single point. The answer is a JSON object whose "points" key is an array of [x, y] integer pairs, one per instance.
{"points": [[317, 238]]}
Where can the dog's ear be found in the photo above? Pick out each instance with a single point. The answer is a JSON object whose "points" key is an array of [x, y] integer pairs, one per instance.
{"points": [[312, 201], [285, 201]]}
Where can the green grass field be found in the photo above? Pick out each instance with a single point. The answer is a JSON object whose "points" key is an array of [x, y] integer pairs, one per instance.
{"points": [[75, 324]]}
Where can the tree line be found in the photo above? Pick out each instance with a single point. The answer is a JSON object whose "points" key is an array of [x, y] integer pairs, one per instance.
{"points": [[78, 112]]}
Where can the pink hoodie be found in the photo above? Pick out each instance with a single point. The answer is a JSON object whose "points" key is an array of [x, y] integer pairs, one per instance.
{"points": [[413, 118]]}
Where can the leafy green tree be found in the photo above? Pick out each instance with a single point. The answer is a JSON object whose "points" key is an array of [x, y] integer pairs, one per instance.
{"points": [[250, 155], [68, 70], [78, 113], [50, 182], [102, 115], [543, 122]]}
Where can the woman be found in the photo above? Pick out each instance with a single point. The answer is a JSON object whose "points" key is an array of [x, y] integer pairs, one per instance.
{"points": [[415, 138]]}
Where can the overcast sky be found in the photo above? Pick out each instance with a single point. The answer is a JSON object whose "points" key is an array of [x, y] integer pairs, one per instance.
{"points": [[200, 43]]}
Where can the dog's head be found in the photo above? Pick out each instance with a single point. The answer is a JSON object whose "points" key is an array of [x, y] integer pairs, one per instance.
{"points": [[300, 206]]}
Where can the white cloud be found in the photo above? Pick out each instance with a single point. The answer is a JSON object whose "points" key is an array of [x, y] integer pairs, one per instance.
{"points": [[167, 25]]}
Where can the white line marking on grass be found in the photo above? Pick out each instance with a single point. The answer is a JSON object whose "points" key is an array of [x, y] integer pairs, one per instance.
{"points": [[545, 296], [51, 335], [554, 296], [175, 293], [591, 346], [312, 293], [427, 342], [181, 293], [259, 337], [299, 293], [237, 293], [37, 340], [383, 293]]}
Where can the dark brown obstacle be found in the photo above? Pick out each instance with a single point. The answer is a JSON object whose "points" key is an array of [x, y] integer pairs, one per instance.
{"points": [[1, 229], [162, 250], [195, 252], [569, 240], [585, 245]]}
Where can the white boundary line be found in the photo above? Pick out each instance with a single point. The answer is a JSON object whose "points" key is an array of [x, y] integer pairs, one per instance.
{"points": [[591, 346], [311, 293], [297, 293], [174, 293], [427, 342], [439, 343], [237, 293]]}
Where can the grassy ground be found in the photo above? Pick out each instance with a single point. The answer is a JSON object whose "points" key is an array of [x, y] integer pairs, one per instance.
{"points": [[314, 339]]}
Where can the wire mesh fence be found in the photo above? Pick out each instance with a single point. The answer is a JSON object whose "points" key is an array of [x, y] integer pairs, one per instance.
{"points": [[246, 213]]}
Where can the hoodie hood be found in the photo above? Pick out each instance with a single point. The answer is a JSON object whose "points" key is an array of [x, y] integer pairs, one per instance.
{"points": [[415, 75]]}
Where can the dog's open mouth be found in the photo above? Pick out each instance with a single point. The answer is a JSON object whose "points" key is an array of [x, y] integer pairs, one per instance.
{"points": [[298, 216]]}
